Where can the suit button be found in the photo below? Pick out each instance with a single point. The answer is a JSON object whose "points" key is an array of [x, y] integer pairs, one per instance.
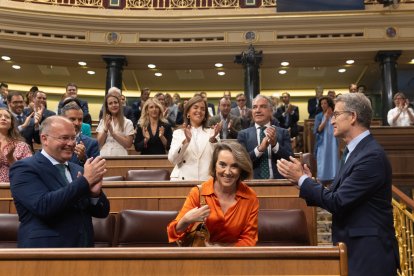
{"points": [[184, 161]]}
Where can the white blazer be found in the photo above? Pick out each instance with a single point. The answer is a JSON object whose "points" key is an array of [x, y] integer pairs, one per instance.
{"points": [[192, 161]]}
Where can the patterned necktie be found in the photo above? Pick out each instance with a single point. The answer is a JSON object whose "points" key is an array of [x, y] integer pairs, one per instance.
{"points": [[62, 171], [264, 162], [343, 158]]}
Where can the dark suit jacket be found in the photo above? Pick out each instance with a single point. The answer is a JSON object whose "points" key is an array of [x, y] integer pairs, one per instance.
{"points": [[84, 106], [248, 138], [51, 212], [360, 202], [313, 108], [234, 128], [91, 149], [293, 119], [245, 120], [136, 110]]}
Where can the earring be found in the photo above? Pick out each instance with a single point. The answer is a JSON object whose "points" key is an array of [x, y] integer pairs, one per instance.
{"points": [[188, 116]]}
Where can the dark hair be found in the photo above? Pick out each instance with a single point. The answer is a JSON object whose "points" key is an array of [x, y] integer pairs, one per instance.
{"points": [[3, 84], [13, 133], [71, 100], [71, 84], [12, 94], [240, 155], [71, 105], [190, 103], [34, 89], [329, 100]]}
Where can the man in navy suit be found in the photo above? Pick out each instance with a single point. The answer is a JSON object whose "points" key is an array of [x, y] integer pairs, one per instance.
{"points": [[138, 105], [86, 147], [313, 103], [360, 195], [56, 199], [288, 115], [275, 145]]}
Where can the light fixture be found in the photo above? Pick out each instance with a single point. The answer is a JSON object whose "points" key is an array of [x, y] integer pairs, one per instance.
{"points": [[221, 73], [158, 74], [412, 61], [350, 61], [282, 72], [82, 63], [17, 67], [152, 66], [284, 63], [342, 70], [218, 65], [6, 58], [90, 72]]}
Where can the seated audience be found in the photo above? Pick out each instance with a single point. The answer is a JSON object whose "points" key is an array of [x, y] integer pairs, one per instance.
{"points": [[326, 147], [12, 145], [115, 132], [192, 144], [231, 210], [401, 114], [154, 134], [85, 146], [56, 199]]}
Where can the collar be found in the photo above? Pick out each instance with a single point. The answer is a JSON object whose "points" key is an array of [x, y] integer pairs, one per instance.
{"points": [[208, 189], [257, 126], [15, 115], [352, 145], [51, 159]]}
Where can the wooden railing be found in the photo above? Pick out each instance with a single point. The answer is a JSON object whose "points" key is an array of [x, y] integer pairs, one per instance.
{"points": [[305, 260], [404, 229]]}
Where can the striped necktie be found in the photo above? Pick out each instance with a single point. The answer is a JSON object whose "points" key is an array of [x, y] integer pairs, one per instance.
{"points": [[264, 159]]}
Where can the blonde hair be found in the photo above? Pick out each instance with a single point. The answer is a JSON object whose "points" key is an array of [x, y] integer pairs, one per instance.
{"points": [[144, 120]]}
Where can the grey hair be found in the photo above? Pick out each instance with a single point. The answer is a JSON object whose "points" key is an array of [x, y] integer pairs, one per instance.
{"points": [[360, 105], [269, 101]]}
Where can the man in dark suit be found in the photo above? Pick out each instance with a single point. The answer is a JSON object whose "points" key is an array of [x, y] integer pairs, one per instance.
{"points": [[288, 115], [313, 103], [264, 142], [72, 91], [56, 199], [210, 106], [86, 147], [138, 105], [360, 195], [40, 106], [242, 111], [229, 125]]}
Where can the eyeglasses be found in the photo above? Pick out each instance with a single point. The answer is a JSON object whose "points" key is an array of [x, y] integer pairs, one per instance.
{"points": [[336, 114], [241, 100], [64, 139]]}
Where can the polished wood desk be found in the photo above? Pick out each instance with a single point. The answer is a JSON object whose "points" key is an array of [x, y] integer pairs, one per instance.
{"points": [[330, 260], [120, 165], [170, 195]]}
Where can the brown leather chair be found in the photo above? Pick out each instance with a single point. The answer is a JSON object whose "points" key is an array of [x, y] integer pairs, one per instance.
{"points": [[114, 178], [148, 175], [104, 231], [282, 227], [143, 228], [9, 226]]}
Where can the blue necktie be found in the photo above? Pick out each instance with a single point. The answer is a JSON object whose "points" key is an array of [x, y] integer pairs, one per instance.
{"points": [[264, 162], [19, 119]]}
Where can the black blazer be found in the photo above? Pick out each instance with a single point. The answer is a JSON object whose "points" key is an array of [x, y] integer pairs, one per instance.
{"points": [[154, 144]]}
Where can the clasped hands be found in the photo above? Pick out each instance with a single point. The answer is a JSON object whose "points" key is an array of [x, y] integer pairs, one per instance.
{"points": [[292, 170], [94, 170], [269, 139]]}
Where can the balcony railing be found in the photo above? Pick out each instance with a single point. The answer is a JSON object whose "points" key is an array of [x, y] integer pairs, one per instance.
{"points": [[172, 4], [404, 230]]}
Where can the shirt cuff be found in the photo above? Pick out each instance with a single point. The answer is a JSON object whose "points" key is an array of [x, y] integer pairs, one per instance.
{"points": [[275, 149], [257, 152], [302, 179], [94, 200]]}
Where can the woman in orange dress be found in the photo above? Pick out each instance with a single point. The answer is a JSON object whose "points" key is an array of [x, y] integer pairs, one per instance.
{"points": [[231, 209]]}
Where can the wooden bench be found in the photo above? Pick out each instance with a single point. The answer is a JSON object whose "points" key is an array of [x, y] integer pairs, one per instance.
{"points": [[170, 196], [327, 260]]}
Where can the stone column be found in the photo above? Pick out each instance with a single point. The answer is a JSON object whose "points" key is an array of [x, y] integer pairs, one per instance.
{"points": [[388, 65], [251, 60], [114, 66]]}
